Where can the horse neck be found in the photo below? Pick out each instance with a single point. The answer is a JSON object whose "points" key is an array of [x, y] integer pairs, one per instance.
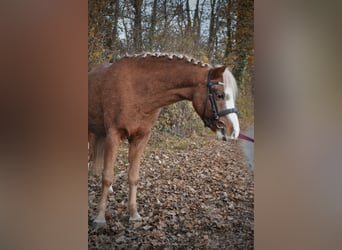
{"points": [[167, 84]]}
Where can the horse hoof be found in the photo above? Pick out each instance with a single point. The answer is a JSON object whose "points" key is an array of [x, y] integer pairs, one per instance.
{"points": [[100, 223], [110, 189], [135, 217]]}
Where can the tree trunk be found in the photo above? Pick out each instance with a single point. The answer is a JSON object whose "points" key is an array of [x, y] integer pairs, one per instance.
{"points": [[244, 35], [211, 27], [153, 25], [230, 15], [197, 27], [115, 24], [137, 30], [188, 25]]}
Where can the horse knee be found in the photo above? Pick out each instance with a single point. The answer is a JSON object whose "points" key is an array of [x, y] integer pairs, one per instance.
{"points": [[133, 175], [107, 177], [107, 182], [133, 180]]}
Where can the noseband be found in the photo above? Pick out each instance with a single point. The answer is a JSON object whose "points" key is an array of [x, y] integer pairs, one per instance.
{"points": [[215, 113]]}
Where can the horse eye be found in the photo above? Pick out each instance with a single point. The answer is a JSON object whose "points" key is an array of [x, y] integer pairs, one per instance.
{"points": [[220, 96]]}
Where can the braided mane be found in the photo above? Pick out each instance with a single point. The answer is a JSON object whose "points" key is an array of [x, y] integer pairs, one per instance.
{"points": [[185, 58]]}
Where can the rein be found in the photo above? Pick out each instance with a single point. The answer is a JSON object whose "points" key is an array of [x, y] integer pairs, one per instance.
{"points": [[245, 137], [216, 114]]}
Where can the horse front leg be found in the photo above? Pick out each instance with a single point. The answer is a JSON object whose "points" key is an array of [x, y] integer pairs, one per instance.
{"points": [[112, 144], [137, 146]]}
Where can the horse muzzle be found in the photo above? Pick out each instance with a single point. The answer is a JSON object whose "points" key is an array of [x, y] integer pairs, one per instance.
{"points": [[231, 130], [222, 134]]}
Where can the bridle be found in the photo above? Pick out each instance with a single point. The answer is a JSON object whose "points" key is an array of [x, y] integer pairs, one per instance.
{"points": [[216, 114]]}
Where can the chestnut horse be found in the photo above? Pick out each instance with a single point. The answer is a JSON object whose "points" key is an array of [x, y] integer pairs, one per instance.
{"points": [[125, 99]]}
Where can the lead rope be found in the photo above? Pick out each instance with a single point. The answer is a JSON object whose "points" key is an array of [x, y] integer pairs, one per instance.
{"points": [[245, 137]]}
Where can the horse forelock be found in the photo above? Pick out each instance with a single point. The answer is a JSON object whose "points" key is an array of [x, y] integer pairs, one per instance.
{"points": [[171, 57], [230, 82]]}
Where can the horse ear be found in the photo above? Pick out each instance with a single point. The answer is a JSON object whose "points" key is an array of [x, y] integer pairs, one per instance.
{"points": [[230, 67], [217, 73]]}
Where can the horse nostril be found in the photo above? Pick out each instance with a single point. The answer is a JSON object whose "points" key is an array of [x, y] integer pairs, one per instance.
{"points": [[220, 124]]}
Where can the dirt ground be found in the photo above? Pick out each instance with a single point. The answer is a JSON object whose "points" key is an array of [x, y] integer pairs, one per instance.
{"points": [[197, 194]]}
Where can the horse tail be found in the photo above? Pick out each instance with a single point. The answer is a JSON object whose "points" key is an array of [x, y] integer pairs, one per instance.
{"points": [[96, 153]]}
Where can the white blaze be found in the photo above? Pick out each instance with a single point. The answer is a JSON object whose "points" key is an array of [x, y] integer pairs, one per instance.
{"points": [[230, 89]]}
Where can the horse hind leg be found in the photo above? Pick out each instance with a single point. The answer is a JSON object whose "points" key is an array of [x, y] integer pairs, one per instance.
{"points": [[112, 144], [137, 146], [96, 155]]}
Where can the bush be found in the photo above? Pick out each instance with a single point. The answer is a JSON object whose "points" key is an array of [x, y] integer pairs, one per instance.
{"points": [[179, 119]]}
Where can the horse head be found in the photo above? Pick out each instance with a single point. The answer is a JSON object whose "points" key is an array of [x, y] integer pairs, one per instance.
{"points": [[216, 103]]}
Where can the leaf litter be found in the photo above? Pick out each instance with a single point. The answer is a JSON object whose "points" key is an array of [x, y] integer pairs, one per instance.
{"points": [[202, 198]]}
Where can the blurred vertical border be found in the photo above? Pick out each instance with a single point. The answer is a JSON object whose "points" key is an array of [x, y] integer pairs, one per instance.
{"points": [[298, 164], [43, 148]]}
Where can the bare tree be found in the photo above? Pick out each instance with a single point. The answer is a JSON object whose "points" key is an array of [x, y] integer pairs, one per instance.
{"points": [[212, 27], [116, 8], [137, 30], [243, 47], [152, 25]]}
